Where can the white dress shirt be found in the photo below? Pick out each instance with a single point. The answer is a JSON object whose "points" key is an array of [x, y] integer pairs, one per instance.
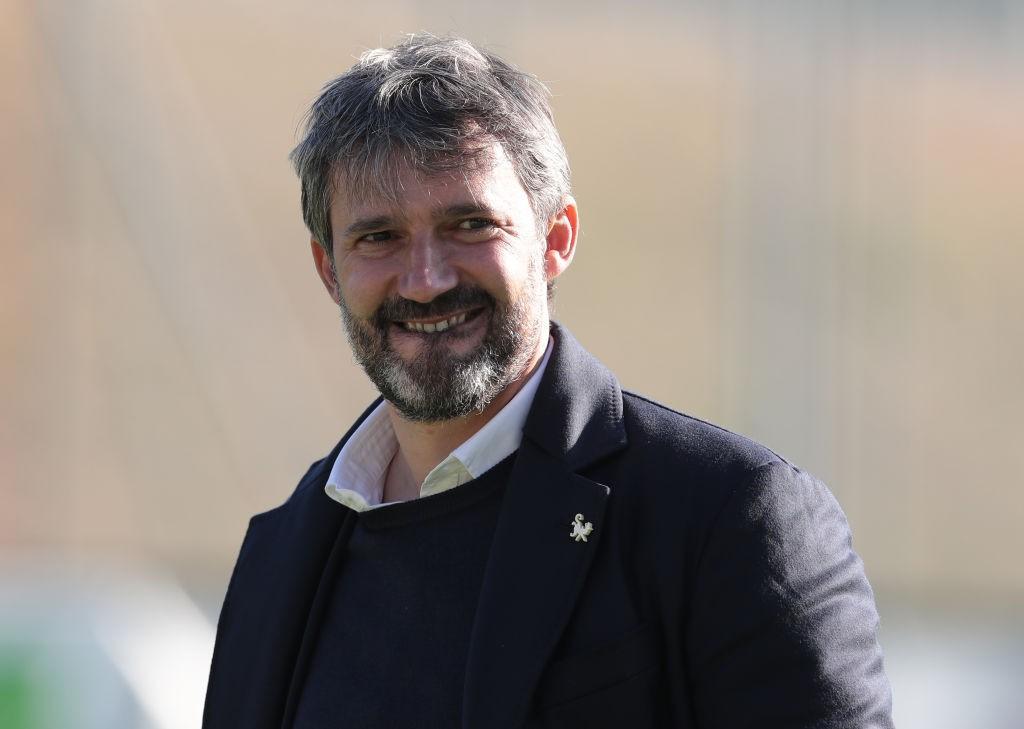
{"points": [[357, 477]]}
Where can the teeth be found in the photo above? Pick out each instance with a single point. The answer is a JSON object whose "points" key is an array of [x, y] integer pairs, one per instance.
{"points": [[439, 326]]}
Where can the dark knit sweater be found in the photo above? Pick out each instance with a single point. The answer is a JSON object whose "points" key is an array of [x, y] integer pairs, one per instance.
{"points": [[392, 648]]}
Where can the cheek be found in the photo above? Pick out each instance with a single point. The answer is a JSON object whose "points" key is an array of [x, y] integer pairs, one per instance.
{"points": [[506, 271], [363, 287]]}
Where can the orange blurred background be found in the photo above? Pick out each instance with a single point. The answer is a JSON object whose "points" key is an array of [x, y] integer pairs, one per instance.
{"points": [[799, 223]]}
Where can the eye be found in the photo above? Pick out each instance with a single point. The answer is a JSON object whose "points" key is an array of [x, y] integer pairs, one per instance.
{"points": [[377, 237], [476, 228]]}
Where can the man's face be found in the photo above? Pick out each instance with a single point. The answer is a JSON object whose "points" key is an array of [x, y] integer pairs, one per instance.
{"points": [[443, 293]]}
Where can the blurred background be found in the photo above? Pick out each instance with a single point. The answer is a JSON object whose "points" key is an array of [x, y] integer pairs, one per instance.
{"points": [[802, 221]]}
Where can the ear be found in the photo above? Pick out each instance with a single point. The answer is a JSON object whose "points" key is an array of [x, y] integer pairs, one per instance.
{"points": [[561, 239], [325, 267]]}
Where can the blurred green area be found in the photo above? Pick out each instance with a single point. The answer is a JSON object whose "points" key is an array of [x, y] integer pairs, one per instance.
{"points": [[18, 693]]}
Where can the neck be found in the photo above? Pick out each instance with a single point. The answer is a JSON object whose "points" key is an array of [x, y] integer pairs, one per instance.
{"points": [[421, 446]]}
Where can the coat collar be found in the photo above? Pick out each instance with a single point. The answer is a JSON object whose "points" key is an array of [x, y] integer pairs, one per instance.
{"points": [[576, 416], [282, 581]]}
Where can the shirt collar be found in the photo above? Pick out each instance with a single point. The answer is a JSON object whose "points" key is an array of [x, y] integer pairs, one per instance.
{"points": [[357, 477]]}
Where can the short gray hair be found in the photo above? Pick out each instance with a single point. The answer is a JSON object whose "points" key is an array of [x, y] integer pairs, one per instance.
{"points": [[435, 104]]}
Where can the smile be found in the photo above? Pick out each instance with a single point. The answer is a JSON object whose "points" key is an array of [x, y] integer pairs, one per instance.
{"points": [[440, 325]]}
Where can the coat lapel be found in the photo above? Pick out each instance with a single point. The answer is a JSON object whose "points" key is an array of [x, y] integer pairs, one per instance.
{"points": [[536, 568]]}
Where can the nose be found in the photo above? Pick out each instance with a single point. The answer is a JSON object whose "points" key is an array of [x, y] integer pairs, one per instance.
{"points": [[427, 274]]}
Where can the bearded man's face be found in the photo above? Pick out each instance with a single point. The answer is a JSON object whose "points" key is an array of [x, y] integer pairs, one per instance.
{"points": [[442, 292]]}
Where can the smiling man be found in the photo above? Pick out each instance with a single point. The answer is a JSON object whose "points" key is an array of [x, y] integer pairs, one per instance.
{"points": [[444, 296], [506, 538]]}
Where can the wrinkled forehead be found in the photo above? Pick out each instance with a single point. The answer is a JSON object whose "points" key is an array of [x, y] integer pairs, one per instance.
{"points": [[388, 179]]}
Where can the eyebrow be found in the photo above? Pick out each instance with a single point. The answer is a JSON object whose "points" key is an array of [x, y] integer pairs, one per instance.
{"points": [[462, 209], [379, 222], [368, 225]]}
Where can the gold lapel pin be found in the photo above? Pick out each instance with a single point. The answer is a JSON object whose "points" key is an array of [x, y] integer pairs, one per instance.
{"points": [[580, 531]]}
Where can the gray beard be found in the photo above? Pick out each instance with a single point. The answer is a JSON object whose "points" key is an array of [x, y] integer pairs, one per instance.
{"points": [[437, 385]]}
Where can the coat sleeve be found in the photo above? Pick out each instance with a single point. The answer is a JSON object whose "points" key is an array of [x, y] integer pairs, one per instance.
{"points": [[781, 628]]}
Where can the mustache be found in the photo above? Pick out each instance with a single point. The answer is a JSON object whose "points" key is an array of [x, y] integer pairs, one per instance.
{"points": [[454, 300]]}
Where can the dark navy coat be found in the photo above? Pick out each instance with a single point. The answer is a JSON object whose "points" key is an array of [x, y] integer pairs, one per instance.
{"points": [[718, 587]]}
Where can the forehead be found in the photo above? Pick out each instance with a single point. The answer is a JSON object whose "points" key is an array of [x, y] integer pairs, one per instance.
{"points": [[485, 178]]}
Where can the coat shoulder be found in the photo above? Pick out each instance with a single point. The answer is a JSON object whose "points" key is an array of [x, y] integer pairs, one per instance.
{"points": [[691, 445], [311, 483], [678, 468], [780, 620]]}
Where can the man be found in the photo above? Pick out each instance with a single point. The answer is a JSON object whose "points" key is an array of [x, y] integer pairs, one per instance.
{"points": [[507, 539]]}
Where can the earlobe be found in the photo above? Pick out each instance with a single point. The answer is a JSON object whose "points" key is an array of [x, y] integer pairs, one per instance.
{"points": [[561, 239], [325, 269]]}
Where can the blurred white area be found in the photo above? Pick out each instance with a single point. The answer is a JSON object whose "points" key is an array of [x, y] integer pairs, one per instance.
{"points": [[89, 646], [954, 671]]}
